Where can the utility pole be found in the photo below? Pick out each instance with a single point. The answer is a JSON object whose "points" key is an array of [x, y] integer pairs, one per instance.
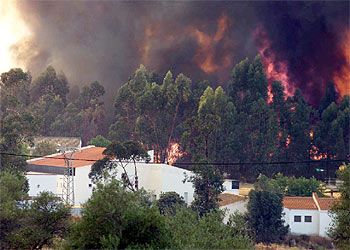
{"points": [[68, 180]]}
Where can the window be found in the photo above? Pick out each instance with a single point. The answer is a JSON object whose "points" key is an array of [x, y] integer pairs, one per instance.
{"points": [[90, 185], [297, 218], [235, 184], [38, 186], [308, 219]]}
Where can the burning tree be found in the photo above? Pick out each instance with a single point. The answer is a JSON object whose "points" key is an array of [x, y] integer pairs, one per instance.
{"points": [[148, 111]]}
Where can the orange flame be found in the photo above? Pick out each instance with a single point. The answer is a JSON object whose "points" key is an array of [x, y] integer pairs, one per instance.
{"points": [[174, 154], [287, 141], [206, 55], [275, 71], [342, 78]]}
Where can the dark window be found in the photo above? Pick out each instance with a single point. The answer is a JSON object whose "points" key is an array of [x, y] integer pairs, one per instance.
{"points": [[90, 185], [308, 218], [235, 184], [297, 218]]}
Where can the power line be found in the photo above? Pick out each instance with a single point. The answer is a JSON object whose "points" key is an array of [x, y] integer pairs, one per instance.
{"points": [[258, 163], [192, 163]]}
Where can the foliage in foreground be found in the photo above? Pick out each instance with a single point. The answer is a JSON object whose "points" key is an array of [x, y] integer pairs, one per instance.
{"points": [[208, 184], [340, 230], [169, 202], [25, 225], [265, 216], [116, 218]]}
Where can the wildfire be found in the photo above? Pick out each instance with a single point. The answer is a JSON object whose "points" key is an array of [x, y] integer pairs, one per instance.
{"points": [[342, 77], [287, 141], [206, 55], [315, 154], [275, 71], [174, 154]]}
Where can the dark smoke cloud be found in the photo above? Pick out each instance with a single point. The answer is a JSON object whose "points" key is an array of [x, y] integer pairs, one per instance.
{"points": [[103, 40], [308, 37]]}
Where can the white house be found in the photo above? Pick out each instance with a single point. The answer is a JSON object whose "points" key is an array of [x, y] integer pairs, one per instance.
{"points": [[308, 215], [47, 174], [304, 215]]}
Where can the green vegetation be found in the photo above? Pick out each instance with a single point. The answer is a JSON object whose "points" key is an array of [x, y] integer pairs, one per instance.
{"points": [[99, 141], [265, 216], [29, 225], [116, 218], [208, 184], [124, 153], [291, 186], [169, 202], [340, 230]]}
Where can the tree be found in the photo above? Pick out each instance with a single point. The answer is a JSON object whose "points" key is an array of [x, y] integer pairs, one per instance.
{"points": [[291, 186], [119, 155], [115, 218], [13, 193], [50, 83], [45, 221], [25, 225], [208, 184], [14, 91], [330, 96], [16, 130], [340, 229], [169, 202], [99, 141], [265, 212]]}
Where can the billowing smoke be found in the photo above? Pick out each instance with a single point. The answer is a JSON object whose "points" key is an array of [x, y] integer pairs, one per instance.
{"points": [[307, 39], [106, 41]]}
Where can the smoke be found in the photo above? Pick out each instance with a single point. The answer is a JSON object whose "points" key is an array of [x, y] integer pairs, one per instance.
{"points": [[307, 37], [107, 41]]}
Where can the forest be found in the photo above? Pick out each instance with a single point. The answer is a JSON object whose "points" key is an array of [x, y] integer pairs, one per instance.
{"points": [[244, 127]]}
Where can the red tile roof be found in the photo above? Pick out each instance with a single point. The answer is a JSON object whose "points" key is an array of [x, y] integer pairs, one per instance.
{"points": [[326, 203], [85, 157], [299, 203], [308, 202]]}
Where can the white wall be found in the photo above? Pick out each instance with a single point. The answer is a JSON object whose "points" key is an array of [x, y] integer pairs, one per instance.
{"points": [[41, 182], [82, 190], [154, 178], [158, 178], [228, 187], [240, 206], [308, 228], [325, 222]]}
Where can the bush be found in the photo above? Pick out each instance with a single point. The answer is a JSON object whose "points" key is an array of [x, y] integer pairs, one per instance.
{"points": [[190, 231], [116, 218], [169, 202]]}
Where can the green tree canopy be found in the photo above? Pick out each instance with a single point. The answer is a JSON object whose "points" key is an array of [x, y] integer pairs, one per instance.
{"points": [[340, 229]]}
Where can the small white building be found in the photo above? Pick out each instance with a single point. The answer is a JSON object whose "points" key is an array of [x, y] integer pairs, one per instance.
{"points": [[304, 215], [308, 215], [47, 174]]}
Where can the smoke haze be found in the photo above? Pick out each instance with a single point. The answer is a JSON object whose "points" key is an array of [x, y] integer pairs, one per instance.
{"points": [[107, 41]]}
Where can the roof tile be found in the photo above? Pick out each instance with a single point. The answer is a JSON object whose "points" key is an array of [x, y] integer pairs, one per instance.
{"points": [[87, 157]]}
